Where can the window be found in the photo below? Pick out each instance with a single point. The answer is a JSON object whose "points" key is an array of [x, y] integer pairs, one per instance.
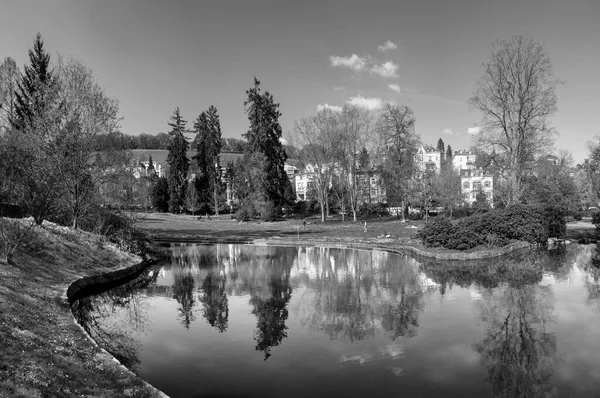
{"points": [[466, 185], [477, 185], [487, 184]]}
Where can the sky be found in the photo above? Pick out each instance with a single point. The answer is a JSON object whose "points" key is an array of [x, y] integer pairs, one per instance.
{"points": [[156, 55]]}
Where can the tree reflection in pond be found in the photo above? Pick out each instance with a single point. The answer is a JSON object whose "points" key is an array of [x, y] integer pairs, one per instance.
{"points": [[356, 291], [114, 316], [214, 300], [183, 293]]}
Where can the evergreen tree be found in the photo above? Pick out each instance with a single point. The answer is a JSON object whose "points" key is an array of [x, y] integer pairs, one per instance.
{"points": [[449, 154], [160, 195], [150, 163], [208, 146], [34, 87], [264, 137], [442, 149], [178, 162]]}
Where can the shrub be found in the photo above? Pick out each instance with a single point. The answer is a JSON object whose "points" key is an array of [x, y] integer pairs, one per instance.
{"points": [[463, 239], [269, 212], [436, 232], [13, 234], [246, 212]]}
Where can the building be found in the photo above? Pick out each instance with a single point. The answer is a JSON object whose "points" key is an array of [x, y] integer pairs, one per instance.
{"points": [[428, 159], [463, 159], [474, 181]]}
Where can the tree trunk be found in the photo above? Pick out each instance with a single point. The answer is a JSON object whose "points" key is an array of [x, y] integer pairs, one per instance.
{"points": [[322, 211], [216, 195]]}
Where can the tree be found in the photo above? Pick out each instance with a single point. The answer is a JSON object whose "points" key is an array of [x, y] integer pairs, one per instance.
{"points": [[449, 155], [316, 136], [442, 148], [516, 97], [447, 188], [208, 144], [178, 162], [355, 130], [9, 77], [160, 195], [396, 130], [192, 199], [34, 87], [264, 137], [87, 113]]}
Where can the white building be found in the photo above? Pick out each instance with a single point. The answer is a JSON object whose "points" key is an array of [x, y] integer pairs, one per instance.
{"points": [[474, 181], [463, 159], [428, 159]]}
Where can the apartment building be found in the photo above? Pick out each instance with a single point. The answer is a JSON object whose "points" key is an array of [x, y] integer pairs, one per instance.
{"points": [[474, 181], [463, 159]]}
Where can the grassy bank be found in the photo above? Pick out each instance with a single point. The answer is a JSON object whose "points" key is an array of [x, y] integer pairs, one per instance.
{"points": [[44, 353]]}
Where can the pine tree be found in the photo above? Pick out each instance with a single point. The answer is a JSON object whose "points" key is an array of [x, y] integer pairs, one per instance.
{"points": [[441, 148], [150, 163], [264, 136], [178, 162], [34, 87], [208, 146], [449, 153]]}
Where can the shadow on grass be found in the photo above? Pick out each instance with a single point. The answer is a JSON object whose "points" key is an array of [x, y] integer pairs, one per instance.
{"points": [[246, 235]]}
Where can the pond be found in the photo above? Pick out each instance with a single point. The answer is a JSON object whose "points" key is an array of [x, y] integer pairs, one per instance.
{"points": [[263, 321]]}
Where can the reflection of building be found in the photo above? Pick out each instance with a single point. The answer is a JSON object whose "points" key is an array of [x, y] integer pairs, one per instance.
{"points": [[463, 159], [428, 159], [474, 181]]}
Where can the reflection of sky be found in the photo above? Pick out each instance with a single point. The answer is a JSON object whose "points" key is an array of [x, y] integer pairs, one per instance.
{"points": [[339, 313]]}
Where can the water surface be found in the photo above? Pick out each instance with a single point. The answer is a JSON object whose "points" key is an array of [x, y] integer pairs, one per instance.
{"points": [[259, 321]]}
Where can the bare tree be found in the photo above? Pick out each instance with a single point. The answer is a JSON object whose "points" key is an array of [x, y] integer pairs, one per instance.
{"points": [[398, 143], [355, 131], [316, 136], [87, 113], [9, 76], [516, 97]]}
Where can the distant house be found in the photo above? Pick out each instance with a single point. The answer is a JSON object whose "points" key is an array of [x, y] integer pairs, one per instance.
{"points": [[463, 159], [474, 181], [428, 159]]}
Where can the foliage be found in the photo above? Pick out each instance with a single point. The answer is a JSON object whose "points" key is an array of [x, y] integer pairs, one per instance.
{"points": [[208, 143], [160, 195], [264, 137], [178, 163], [516, 97], [246, 212], [497, 227], [270, 212], [436, 232], [13, 234]]}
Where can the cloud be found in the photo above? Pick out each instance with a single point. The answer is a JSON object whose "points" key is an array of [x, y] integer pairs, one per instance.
{"points": [[388, 45], [367, 103], [473, 130], [387, 69], [340, 88], [447, 131], [395, 87], [353, 62], [333, 108]]}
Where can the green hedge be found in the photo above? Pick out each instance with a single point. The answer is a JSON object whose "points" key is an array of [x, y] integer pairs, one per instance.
{"points": [[495, 228]]}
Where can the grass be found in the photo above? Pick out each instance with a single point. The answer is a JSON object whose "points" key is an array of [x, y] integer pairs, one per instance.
{"points": [[44, 353]]}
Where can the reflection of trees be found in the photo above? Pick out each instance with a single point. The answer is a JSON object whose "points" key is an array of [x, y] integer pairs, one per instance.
{"points": [[183, 292], [270, 307], [95, 313], [214, 301], [357, 290], [517, 350]]}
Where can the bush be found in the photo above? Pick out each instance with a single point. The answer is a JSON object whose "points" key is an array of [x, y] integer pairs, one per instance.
{"points": [[270, 212], [246, 212], [436, 232], [496, 227], [13, 234]]}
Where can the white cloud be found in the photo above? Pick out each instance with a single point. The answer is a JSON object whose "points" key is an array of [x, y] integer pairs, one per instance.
{"points": [[367, 103], [395, 87], [473, 130], [447, 131], [388, 45], [333, 108], [340, 88], [353, 62], [387, 69]]}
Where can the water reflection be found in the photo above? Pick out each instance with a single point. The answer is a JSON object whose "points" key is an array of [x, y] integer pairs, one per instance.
{"points": [[369, 306]]}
